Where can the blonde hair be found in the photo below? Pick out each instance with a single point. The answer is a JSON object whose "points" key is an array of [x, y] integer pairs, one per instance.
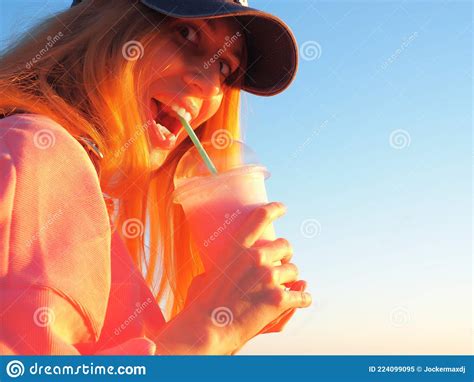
{"points": [[75, 73]]}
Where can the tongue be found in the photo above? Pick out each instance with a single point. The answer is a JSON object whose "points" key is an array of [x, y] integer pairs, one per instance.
{"points": [[170, 122]]}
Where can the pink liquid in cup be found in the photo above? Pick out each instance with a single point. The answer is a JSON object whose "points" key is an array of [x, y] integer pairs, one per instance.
{"points": [[216, 207]]}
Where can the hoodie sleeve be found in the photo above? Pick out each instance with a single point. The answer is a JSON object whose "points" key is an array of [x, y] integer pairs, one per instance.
{"points": [[54, 240]]}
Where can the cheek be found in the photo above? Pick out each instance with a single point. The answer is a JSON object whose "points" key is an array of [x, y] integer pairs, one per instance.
{"points": [[209, 108], [162, 61]]}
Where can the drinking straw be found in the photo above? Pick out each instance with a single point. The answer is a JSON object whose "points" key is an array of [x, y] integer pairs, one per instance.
{"points": [[208, 162]]}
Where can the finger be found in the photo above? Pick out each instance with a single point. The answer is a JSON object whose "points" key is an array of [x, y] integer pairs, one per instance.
{"points": [[264, 277], [258, 221], [283, 320], [299, 285], [297, 299], [279, 324], [272, 251], [285, 273]]}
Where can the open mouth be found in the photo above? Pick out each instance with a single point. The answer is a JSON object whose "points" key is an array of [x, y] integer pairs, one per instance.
{"points": [[167, 118]]}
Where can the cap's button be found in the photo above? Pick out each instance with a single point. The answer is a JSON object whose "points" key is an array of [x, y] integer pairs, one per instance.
{"points": [[242, 2]]}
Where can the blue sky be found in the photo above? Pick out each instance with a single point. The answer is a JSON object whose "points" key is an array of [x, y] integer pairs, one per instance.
{"points": [[370, 148]]}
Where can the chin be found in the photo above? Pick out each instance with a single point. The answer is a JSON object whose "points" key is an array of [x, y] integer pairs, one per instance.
{"points": [[157, 158]]}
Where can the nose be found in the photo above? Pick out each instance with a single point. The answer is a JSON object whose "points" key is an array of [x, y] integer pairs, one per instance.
{"points": [[206, 82]]}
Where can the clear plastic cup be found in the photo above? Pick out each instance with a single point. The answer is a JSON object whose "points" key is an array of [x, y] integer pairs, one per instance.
{"points": [[216, 206]]}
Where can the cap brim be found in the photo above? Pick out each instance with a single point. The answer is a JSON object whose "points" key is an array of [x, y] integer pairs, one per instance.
{"points": [[271, 46]]}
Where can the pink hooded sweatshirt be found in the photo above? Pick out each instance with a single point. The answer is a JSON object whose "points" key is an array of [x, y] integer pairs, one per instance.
{"points": [[67, 283]]}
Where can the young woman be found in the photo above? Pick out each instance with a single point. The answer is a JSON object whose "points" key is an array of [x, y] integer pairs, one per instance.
{"points": [[89, 143]]}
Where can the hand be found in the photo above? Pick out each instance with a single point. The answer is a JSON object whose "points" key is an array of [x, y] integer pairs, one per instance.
{"points": [[279, 324], [242, 295]]}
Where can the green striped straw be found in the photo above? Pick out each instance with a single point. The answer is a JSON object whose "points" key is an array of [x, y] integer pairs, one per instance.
{"points": [[210, 166]]}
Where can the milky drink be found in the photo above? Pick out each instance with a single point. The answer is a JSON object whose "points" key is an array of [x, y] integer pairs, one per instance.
{"points": [[217, 206]]}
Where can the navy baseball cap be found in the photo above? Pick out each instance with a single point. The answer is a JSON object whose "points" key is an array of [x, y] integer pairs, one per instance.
{"points": [[272, 50]]}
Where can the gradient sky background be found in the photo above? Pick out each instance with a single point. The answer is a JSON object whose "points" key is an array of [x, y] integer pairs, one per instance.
{"points": [[370, 149]]}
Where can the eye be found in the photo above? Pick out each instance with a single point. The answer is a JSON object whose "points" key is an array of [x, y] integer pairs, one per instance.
{"points": [[225, 68], [189, 33]]}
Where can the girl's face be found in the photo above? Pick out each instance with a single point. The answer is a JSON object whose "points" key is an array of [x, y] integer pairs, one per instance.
{"points": [[189, 70]]}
